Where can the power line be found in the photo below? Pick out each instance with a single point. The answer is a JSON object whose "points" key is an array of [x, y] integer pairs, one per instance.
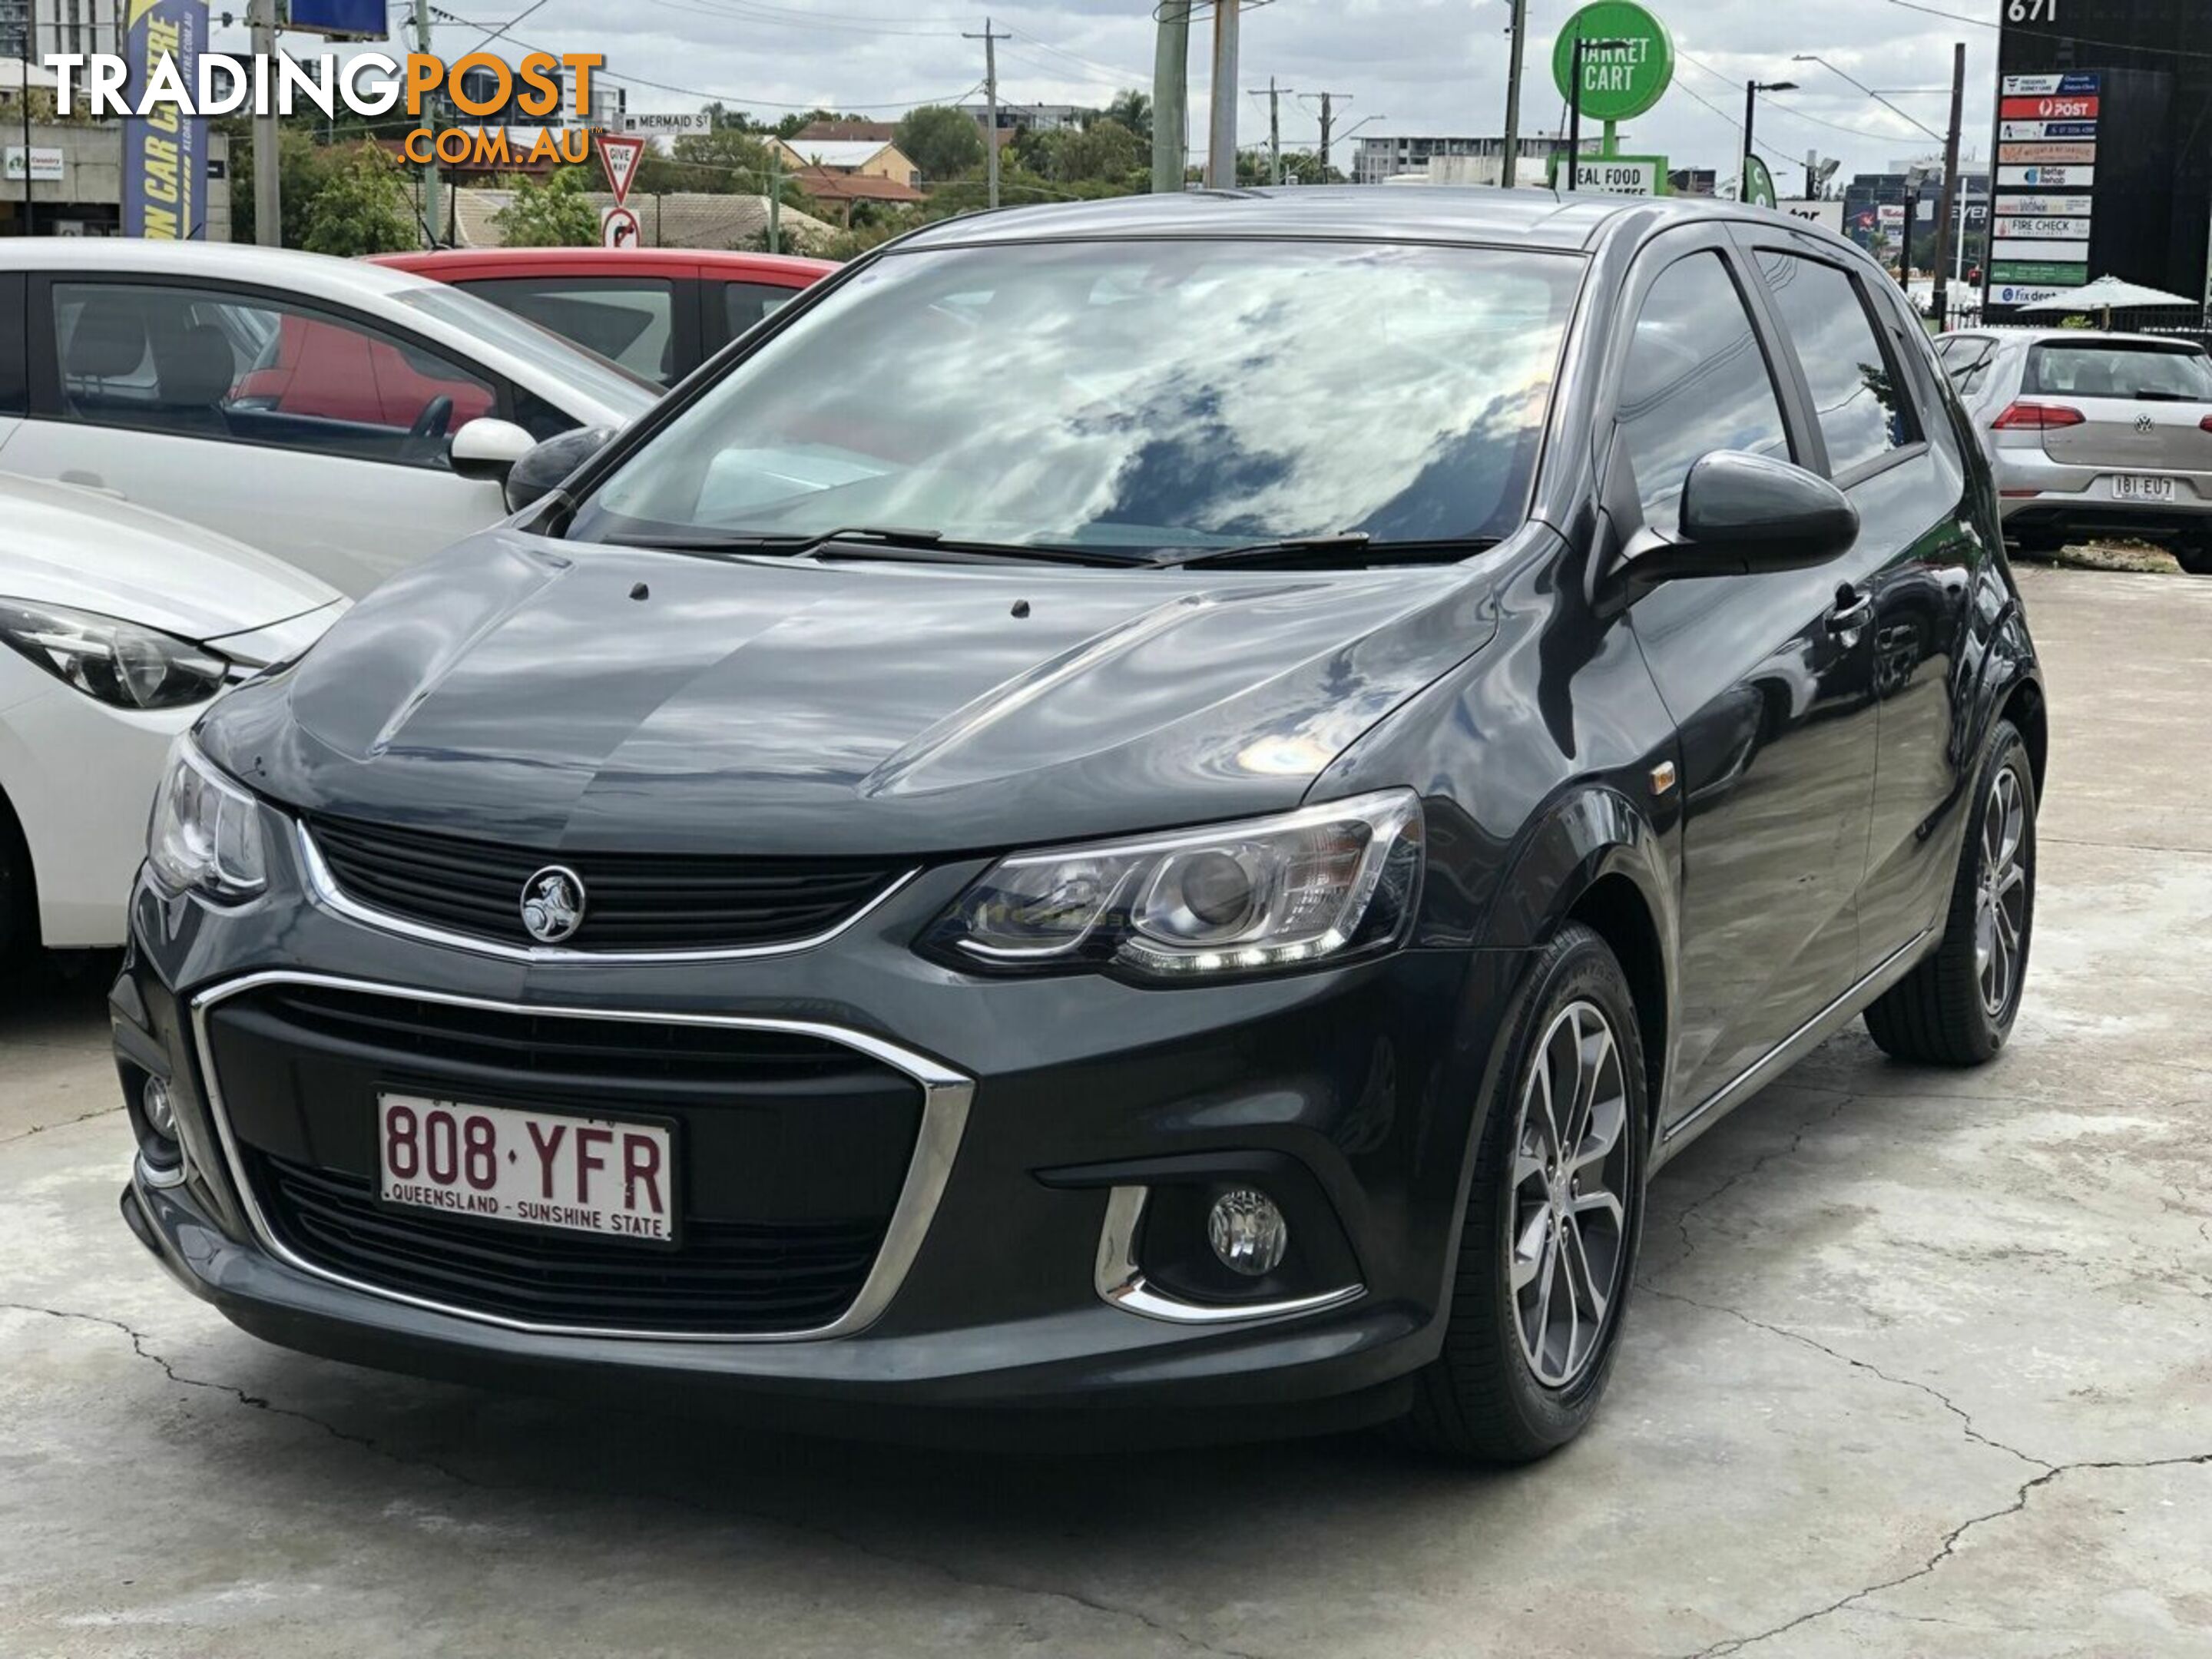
{"points": [[1776, 103], [2073, 39]]}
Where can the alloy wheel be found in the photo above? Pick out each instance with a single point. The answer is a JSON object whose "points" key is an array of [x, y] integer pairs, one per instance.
{"points": [[1569, 1214], [2001, 906]]}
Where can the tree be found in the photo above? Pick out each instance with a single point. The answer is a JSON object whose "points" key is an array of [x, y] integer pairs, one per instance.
{"points": [[359, 207], [943, 142], [1133, 108], [729, 161], [555, 214], [1106, 152]]}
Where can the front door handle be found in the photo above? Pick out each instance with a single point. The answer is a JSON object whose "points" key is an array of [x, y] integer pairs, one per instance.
{"points": [[1851, 611]]}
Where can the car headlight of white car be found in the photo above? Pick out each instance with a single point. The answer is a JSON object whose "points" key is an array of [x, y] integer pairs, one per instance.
{"points": [[206, 833], [119, 663], [1316, 886]]}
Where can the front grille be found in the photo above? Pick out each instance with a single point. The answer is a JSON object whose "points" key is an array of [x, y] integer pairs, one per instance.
{"points": [[637, 902], [731, 1277], [791, 1151]]}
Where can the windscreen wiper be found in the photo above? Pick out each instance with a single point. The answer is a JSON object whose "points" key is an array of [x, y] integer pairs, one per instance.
{"points": [[871, 542], [1299, 551]]}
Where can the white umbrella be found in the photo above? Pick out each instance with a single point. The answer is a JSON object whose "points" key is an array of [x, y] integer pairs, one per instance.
{"points": [[2110, 294]]}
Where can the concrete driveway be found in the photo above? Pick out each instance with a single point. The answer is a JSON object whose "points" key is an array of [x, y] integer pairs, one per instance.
{"points": [[1922, 1364]]}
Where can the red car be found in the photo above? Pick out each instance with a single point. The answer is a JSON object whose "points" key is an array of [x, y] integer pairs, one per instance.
{"points": [[658, 311]]}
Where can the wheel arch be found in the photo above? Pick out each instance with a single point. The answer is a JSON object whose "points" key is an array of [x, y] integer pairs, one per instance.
{"points": [[2024, 705], [1593, 857]]}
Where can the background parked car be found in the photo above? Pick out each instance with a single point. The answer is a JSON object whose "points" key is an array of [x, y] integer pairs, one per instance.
{"points": [[2093, 433], [658, 311], [123, 624], [346, 418]]}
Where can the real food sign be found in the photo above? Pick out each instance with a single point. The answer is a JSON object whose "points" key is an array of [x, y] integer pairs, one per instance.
{"points": [[164, 152]]}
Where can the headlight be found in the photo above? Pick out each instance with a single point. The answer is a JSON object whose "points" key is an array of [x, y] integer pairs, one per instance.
{"points": [[118, 662], [1320, 885], [206, 833]]}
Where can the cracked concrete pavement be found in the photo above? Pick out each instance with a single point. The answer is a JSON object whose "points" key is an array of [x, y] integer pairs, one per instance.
{"points": [[1920, 1363]]}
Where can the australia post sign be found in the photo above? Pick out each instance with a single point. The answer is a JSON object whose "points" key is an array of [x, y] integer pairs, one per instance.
{"points": [[164, 151]]}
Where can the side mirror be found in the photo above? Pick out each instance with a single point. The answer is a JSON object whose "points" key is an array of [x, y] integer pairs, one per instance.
{"points": [[489, 448], [547, 467], [1742, 515]]}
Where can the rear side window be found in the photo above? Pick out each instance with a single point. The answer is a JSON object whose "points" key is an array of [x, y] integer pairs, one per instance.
{"points": [[2142, 373], [627, 320], [1697, 381], [1864, 410], [752, 302]]}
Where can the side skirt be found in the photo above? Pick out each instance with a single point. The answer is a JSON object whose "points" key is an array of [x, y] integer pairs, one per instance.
{"points": [[1792, 1048]]}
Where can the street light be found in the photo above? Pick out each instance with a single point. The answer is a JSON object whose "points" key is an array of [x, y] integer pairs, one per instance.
{"points": [[1815, 58], [1751, 91]]}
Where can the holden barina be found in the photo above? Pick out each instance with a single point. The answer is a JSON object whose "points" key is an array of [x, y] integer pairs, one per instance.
{"points": [[1141, 821]]}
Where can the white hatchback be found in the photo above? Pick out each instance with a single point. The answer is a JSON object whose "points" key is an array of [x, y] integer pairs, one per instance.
{"points": [[118, 628], [347, 418]]}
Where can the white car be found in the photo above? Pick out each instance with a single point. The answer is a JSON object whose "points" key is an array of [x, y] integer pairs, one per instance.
{"points": [[118, 628], [346, 417]]}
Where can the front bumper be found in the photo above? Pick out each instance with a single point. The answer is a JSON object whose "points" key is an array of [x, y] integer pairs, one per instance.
{"points": [[1014, 1292]]}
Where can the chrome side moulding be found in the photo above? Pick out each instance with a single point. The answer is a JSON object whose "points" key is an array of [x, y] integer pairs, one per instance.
{"points": [[1121, 1284], [324, 888], [946, 1095]]}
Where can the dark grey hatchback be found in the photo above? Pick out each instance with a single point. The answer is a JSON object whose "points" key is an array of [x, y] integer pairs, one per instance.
{"points": [[1145, 818]]}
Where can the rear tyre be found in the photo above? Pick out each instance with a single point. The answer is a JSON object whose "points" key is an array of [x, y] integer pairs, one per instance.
{"points": [[19, 897], [1957, 1008], [2195, 557], [1547, 1247]]}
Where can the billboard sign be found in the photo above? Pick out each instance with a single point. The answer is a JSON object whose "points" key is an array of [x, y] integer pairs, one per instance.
{"points": [[2036, 131], [2064, 230], [343, 19], [2022, 294], [1615, 175], [164, 152], [47, 167], [2048, 109], [2046, 178], [2019, 155], [1619, 82], [1829, 215], [2052, 207], [2045, 86]]}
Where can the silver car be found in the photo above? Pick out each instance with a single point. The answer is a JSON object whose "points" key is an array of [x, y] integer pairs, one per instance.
{"points": [[2093, 434]]}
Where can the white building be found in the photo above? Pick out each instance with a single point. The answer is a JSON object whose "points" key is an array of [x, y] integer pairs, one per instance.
{"points": [[1383, 156], [87, 26]]}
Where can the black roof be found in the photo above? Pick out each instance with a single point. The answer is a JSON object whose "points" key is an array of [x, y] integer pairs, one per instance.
{"points": [[1542, 218]]}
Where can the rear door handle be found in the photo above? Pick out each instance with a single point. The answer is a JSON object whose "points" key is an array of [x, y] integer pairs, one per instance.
{"points": [[92, 481], [1851, 611]]}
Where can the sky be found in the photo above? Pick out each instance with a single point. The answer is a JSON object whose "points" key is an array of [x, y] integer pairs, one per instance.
{"points": [[1399, 66]]}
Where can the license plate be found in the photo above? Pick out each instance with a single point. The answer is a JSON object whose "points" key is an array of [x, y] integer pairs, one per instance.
{"points": [[583, 1174], [2131, 487]]}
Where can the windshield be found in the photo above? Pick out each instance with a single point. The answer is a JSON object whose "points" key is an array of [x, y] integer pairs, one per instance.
{"points": [[1128, 395], [2140, 372], [617, 389]]}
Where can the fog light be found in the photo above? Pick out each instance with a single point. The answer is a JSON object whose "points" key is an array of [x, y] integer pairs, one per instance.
{"points": [[1248, 1233], [161, 1116]]}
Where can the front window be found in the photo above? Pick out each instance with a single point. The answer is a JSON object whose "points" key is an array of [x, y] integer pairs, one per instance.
{"points": [[2141, 372], [1139, 396]]}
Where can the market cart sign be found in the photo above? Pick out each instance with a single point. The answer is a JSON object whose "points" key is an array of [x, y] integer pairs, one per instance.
{"points": [[1615, 175], [1619, 82]]}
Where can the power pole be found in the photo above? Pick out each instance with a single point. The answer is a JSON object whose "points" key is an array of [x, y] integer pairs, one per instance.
{"points": [[1221, 126], [774, 199], [268, 199], [1951, 192], [1274, 128], [1328, 125], [431, 191], [990, 98], [1170, 96], [1509, 165]]}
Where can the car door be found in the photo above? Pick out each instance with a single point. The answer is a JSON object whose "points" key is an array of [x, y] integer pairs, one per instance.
{"points": [[307, 430], [1768, 678], [1895, 449], [735, 306]]}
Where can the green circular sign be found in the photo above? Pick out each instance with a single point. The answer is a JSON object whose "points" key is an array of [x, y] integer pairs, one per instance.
{"points": [[1621, 80]]}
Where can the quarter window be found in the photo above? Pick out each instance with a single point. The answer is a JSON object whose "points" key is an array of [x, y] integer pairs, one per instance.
{"points": [[1697, 382], [198, 364], [1862, 406], [630, 321], [752, 302]]}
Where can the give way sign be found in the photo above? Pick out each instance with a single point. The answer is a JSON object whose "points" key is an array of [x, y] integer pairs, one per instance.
{"points": [[619, 157]]}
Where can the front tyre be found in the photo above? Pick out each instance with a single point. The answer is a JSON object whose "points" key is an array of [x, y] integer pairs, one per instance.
{"points": [[1553, 1213], [2195, 557], [1957, 1007]]}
